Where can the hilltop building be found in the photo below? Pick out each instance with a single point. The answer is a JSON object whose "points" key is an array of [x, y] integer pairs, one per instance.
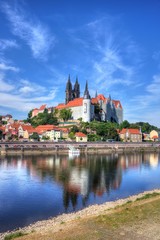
{"points": [[86, 107]]}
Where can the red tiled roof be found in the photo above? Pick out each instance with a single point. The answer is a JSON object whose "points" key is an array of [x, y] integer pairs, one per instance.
{"points": [[14, 126], [61, 106], [101, 97], [28, 128], [130, 130], [48, 127], [154, 137], [117, 103], [80, 134], [39, 131], [42, 107], [74, 103], [94, 100], [43, 128], [65, 130]]}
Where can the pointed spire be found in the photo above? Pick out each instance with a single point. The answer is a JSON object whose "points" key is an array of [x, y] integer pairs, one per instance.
{"points": [[68, 90], [86, 92], [76, 90], [69, 84], [86, 87], [96, 94], [109, 97], [76, 85], [76, 80]]}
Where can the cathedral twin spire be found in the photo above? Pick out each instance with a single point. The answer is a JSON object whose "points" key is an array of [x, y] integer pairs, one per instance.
{"points": [[75, 92], [72, 93]]}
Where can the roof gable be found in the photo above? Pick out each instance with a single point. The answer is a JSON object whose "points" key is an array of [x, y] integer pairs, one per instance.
{"points": [[80, 134], [74, 103], [130, 130]]}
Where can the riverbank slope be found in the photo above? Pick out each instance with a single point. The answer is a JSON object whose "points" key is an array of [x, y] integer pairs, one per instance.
{"points": [[136, 217]]}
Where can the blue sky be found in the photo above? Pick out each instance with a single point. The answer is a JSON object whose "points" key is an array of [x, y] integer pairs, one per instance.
{"points": [[115, 45]]}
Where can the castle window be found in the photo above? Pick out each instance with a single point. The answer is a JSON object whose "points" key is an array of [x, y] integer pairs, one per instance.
{"points": [[85, 108]]}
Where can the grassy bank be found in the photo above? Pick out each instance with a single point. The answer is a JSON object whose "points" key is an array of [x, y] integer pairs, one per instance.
{"points": [[136, 217]]}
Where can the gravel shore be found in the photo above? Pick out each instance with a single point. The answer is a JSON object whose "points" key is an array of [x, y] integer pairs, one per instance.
{"points": [[94, 210]]}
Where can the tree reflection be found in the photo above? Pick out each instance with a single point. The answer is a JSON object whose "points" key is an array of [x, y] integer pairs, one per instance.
{"points": [[83, 175]]}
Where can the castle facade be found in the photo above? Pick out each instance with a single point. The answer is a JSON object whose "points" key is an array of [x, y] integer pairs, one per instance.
{"points": [[89, 108]]}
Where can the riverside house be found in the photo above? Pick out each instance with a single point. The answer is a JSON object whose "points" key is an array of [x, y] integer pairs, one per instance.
{"points": [[81, 137], [130, 135], [50, 131]]}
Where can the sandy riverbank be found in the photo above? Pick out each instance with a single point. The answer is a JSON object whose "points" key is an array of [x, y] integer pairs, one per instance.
{"points": [[57, 224]]}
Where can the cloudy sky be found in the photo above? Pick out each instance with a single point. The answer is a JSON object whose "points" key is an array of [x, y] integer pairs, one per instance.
{"points": [[115, 45]]}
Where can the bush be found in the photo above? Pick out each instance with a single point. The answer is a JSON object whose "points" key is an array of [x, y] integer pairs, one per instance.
{"points": [[14, 235]]}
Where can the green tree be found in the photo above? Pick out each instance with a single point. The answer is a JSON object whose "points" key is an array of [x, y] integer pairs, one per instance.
{"points": [[83, 130], [30, 114], [55, 112], [72, 135], [35, 136], [74, 129], [112, 134], [45, 138], [93, 137], [43, 119], [97, 108], [124, 124], [65, 114], [146, 127]]}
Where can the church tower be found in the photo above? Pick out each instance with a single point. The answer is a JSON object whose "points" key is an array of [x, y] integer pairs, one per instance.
{"points": [[76, 90], [68, 90], [86, 105]]}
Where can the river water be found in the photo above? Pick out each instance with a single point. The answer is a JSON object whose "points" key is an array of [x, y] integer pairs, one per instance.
{"points": [[34, 188]]}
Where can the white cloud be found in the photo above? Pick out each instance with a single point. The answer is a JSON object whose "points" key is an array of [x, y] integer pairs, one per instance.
{"points": [[111, 59], [115, 64], [5, 67], [111, 64], [24, 104], [27, 87], [24, 95], [154, 88], [145, 107], [36, 35], [5, 44], [150, 96], [4, 86]]}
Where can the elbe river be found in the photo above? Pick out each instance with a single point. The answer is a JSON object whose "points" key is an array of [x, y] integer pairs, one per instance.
{"points": [[34, 188]]}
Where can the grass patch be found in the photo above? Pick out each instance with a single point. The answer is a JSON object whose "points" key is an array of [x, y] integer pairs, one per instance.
{"points": [[129, 201], [148, 195], [62, 222], [129, 213], [14, 235]]}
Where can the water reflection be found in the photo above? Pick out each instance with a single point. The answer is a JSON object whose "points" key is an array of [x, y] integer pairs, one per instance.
{"points": [[48, 185]]}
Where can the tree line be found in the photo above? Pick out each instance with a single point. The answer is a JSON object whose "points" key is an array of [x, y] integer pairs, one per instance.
{"points": [[95, 130]]}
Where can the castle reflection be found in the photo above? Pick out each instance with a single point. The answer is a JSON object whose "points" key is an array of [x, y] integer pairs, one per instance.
{"points": [[82, 175]]}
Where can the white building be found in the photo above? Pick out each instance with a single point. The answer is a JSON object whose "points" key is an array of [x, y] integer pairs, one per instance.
{"points": [[87, 108]]}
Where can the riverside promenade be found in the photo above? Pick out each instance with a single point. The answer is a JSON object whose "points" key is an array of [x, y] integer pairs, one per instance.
{"points": [[62, 147]]}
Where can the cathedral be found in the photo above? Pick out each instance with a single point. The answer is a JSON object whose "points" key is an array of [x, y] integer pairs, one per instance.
{"points": [[90, 108], [72, 93]]}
